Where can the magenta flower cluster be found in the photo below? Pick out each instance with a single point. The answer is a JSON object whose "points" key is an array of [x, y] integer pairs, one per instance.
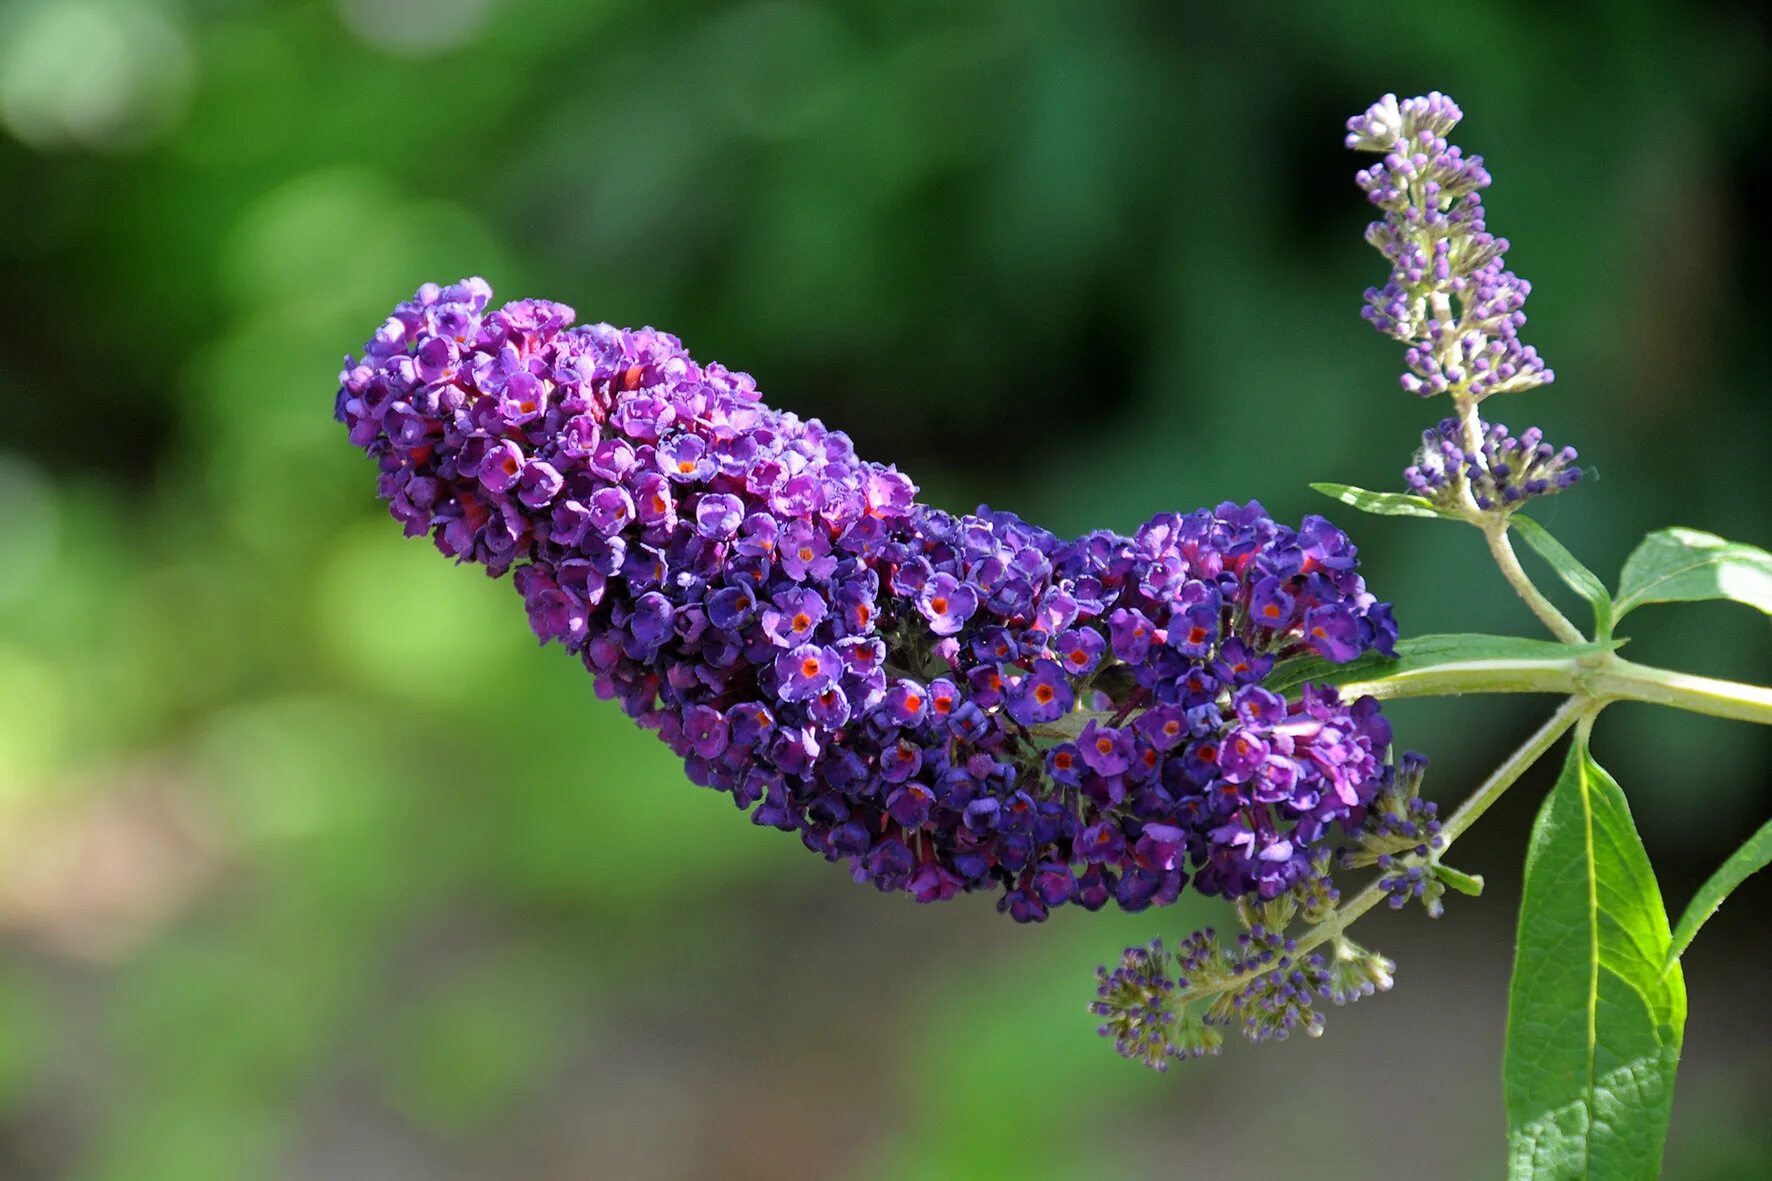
{"points": [[944, 703]]}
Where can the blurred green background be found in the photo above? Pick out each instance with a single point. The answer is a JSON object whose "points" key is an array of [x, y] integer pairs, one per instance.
{"points": [[312, 865]]}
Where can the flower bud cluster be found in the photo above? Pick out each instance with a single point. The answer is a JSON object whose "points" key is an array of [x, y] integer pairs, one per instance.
{"points": [[1355, 972], [1280, 997], [1158, 1005], [1503, 474], [1137, 1002], [945, 703], [1449, 296], [1401, 837]]}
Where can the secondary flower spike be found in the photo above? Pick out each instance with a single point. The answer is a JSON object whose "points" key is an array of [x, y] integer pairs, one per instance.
{"points": [[944, 703], [1450, 296]]}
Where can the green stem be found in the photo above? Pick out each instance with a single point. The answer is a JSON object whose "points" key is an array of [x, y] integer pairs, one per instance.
{"points": [[1494, 525], [1542, 739], [1502, 550], [1599, 675], [1617, 679], [1602, 676]]}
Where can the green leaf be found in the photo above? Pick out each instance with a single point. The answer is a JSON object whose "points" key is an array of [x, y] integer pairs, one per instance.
{"points": [[1682, 565], [1746, 861], [1468, 884], [1385, 504], [1593, 1024], [1579, 578], [1421, 654]]}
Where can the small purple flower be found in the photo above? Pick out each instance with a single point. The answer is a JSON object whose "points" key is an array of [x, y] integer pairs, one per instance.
{"points": [[718, 516], [1044, 695], [1131, 634], [684, 459], [654, 503], [707, 730], [910, 805], [830, 709], [1080, 650], [732, 607], [1160, 846], [806, 671], [612, 459], [610, 509], [502, 466], [579, 437], [1165, 726], [791, 619], [1101, 843], [1270, 606], [906, 704], [805, 552], [653, 619], [539, 484], [947, 603], [1195, 631], [523, 399], [757, 536], [1241, 755], [900, 761], [1105, 750], [1332, 631]]}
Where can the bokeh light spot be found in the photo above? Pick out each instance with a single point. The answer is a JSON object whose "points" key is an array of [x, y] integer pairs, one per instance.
{"points": [[105, 76], [383, 601], [30, 528], [415, 28]]}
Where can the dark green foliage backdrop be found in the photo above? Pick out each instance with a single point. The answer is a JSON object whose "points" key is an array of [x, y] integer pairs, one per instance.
{"points": [[312, 866]]}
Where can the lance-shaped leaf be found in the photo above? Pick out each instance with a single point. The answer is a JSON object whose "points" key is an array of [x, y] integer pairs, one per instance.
{"points": [[1594, 1023], [1538, 663], [1676, 565], [1579, 578], [1746, 861], [1385, 504]]}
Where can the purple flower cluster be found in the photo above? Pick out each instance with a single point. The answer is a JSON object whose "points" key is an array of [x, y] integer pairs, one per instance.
{"points": [[1441, 254], [1503, 475], [945, 703]]}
